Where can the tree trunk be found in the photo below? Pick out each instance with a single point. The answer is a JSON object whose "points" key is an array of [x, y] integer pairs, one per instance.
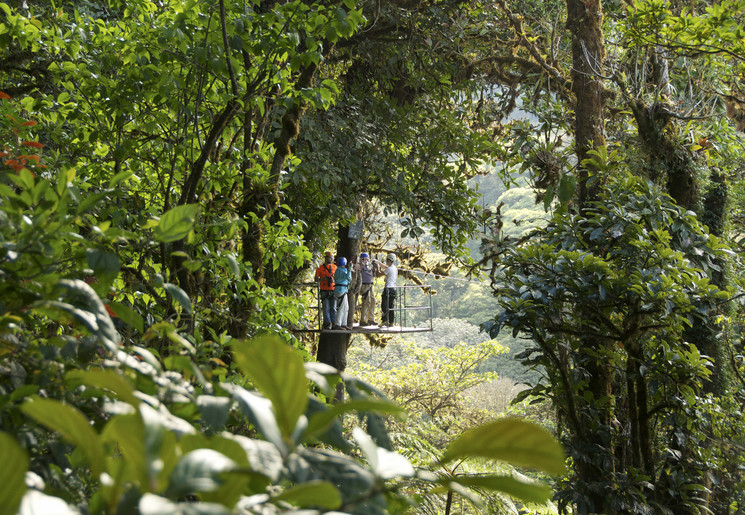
{"points": [[333, 346], [585, 23]]}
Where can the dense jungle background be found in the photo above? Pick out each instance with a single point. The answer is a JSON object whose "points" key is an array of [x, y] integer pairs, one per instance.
{"points": [[566, 176]]}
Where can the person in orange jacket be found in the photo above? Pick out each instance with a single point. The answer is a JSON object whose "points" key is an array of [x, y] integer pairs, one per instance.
{"points": [[325, 274]]}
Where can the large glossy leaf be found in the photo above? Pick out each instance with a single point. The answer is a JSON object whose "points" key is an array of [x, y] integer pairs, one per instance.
{"points": [[155, 505], [320, 421], [319, 494], [214, 410], [199, 471], [91, 200], [326, 428], [232, 485], [349, 476], [258, 411], [525, 490], [104, 379], [512, 440], [277, 371], [317, 372], [163, 420], [386, 464], [12, 474], [86, 307], [263, 457], [104, 264], [126, 433], [176, 223], [37, 503], [71, 424], [179, 295]]}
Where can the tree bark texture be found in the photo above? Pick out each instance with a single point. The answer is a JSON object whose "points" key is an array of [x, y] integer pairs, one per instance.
{"points": [[585, 24], [333, 346], [667, 161]]}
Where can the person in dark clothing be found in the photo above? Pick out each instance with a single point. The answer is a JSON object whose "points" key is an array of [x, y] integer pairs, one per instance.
{"points": [[389, 291]]}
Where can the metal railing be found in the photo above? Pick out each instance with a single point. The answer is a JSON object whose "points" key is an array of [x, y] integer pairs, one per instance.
{"points": [[413, 309], [409, 304]]}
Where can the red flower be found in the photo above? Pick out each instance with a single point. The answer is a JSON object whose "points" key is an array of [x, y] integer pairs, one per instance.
{"points": [[29, 123], [34, 144], [31, 157], [4, 95], [14, 164]]}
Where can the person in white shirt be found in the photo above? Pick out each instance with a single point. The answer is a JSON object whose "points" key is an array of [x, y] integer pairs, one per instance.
{"points": [[389, 291]]}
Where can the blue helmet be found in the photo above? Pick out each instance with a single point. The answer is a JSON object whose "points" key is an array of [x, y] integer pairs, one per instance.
{"points": [[342, 261], [364, 255]]}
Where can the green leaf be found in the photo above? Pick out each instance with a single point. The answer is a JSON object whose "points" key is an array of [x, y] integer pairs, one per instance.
{"points": [[320, 494], [151, 504], [127, 433], [331, 33], [233, 263], [548, 197], [175, 337], [35, 502], [567, 187], [23, 391], [104, 379], [63, 178], [71, 424], [523, 489], [264, 458], [277, 371], [40, 190], [103, 263], [321, 421], [90, 201], [147, 356], [258, 411], [12, 474], [176, 223], [180, 296], [233, 485], [199, 471], [214, 410], [87, 309], [512, 440], [385, 464], [23, 179], [121, 176], [127, 315], [325, 429]]}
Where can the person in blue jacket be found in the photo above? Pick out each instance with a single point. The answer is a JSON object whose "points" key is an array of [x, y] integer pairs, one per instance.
{"points": [[342, 278]]}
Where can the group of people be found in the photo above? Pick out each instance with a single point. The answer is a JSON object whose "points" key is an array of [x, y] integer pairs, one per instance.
{"points": [[343, 282]]}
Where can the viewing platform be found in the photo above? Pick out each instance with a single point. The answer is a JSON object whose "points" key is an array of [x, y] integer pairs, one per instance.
{"points": [[413, 312]]}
